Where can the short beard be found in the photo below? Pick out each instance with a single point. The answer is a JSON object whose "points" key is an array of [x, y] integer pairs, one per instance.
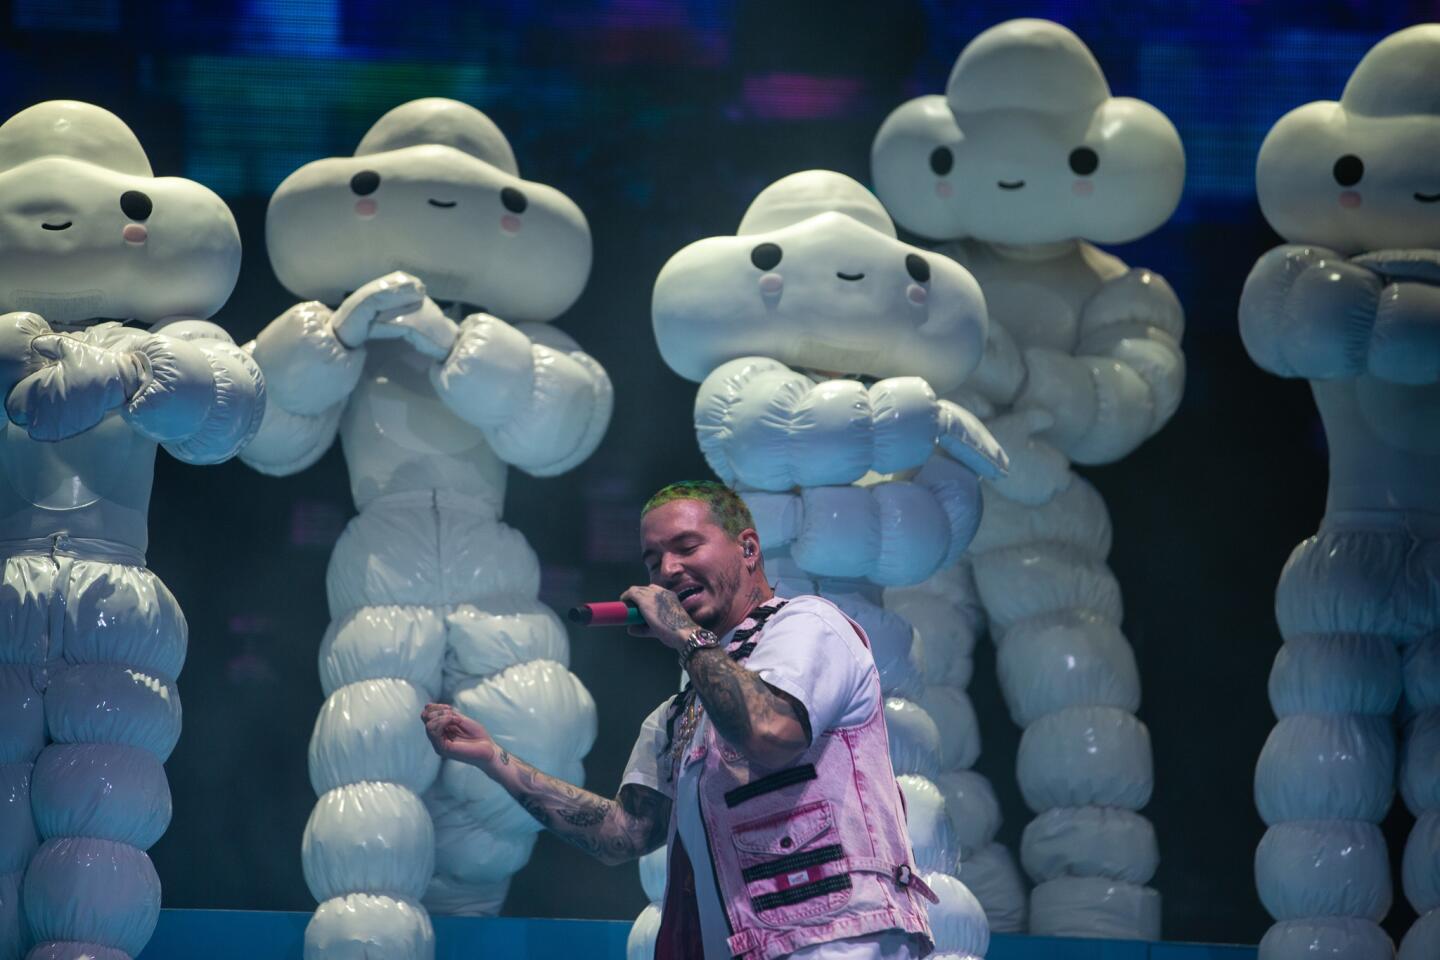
{"points": [[724, 588]]}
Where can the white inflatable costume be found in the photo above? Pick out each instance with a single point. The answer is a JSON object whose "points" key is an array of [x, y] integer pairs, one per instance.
{"points": [[1352, 303], [421, 243], [820, 341], [91, 642], [1025, 162]]}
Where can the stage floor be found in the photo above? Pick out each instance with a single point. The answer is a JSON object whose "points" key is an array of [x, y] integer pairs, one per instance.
{"points": [[272, 935]]}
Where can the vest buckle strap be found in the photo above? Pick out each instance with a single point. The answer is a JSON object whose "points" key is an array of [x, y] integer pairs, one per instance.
{"points": [[743, 942], [907, 878]]}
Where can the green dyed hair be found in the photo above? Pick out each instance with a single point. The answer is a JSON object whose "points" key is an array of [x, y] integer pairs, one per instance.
{"points": [[726, 507]]}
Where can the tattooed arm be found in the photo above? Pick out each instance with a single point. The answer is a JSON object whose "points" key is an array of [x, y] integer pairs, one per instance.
{"points": [[611, 831], [768, 725]]}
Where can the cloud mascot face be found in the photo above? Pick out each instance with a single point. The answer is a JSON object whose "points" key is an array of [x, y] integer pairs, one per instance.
{"points": [[88, 231], [433, 190], [1028, 146], [1361, 173], [816, 279]]}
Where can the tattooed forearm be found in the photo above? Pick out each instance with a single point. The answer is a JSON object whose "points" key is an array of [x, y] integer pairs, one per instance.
{"points": [[611, 831], [586, 818], [740, 704]]}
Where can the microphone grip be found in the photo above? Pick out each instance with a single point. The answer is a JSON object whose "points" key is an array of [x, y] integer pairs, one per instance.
{"points": [[606, 613]]}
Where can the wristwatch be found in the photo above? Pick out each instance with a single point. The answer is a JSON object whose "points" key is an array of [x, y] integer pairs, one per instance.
{"points": [[699, 639]]}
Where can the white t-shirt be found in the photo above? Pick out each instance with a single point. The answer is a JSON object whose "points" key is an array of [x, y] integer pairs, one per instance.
{"points": [[810, 650]]}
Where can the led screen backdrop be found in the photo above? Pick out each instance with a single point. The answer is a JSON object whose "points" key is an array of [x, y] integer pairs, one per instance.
{"points": [[662, 120]]}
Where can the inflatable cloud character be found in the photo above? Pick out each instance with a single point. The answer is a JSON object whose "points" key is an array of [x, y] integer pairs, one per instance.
{"points": [[409, 254], [1025, 163], [820, 342], [1351, 303], [91, 642]]}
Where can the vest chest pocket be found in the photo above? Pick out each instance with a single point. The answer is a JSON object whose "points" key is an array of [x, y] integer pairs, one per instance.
{"points": [[793, 865]]}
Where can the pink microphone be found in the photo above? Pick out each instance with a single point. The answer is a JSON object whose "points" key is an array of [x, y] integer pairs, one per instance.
{"points": [[606, 613]]}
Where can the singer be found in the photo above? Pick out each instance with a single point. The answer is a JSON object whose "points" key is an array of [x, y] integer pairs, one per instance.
{"points": [[769, 774]]}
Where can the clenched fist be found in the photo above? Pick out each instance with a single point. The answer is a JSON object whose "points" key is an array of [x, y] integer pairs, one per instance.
{"points": [[77, 385], [394, 293]]}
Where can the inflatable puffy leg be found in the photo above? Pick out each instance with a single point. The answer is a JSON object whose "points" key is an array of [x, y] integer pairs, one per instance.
{"points": [[917, 743], [946, 614], [26, 592], [654, 866], [368, 849], [1069, 679], [110, 634], [433, 599], [1420, 787], [1353, 605]]}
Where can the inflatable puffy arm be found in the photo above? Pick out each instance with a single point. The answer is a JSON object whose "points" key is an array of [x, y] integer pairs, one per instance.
{"points": [[189, 388], [204, 397], [18, 358], [1309, 312], [765, 426], [1126, 377], [893, 533], [542, 403], [309, 374], [74, 383]]}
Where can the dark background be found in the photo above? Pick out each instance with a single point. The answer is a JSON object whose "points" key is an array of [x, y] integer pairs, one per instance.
{"points": [[662, 120]]}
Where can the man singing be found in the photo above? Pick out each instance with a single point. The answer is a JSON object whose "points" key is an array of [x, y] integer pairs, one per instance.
{"points": [[769, 775]]}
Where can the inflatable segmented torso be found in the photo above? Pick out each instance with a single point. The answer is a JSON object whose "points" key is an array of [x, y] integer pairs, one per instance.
{"points": [[1023, 164], [91, 642], [1351, 303], [433, 267]]}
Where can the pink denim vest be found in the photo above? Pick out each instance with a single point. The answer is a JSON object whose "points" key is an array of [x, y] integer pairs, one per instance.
{"points": [[815, 852]]}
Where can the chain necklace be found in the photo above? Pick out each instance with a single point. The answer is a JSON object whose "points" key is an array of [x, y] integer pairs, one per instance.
{"points": [[688, 723]]}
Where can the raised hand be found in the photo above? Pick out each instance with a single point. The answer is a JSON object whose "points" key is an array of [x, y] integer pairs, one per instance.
{"points": [[426, 329], [457, 737], [394, 293], [78, 384]]}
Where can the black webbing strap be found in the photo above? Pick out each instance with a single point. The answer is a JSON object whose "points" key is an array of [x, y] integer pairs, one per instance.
{"points": [[795, 861], [775, 781], [759, 615], [809, 891]]}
